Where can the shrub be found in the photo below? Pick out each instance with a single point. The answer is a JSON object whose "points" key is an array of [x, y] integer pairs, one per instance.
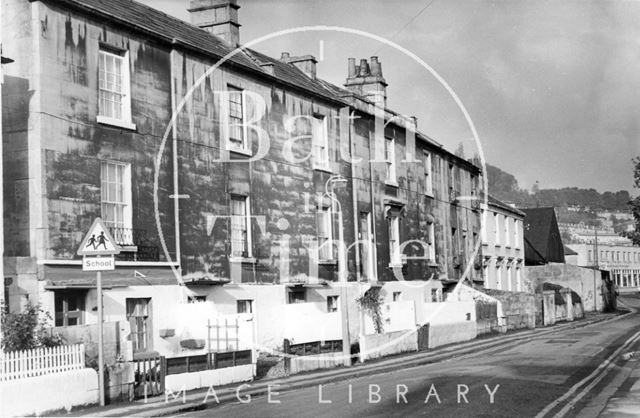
{"points": [[27, 329]]}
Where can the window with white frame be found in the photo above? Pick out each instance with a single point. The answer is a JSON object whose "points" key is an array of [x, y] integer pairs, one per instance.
{"points": [[396, 296], [499, 276], [320, 141], [240, 227], [115, 191], [236, 132], [485, 275], [428, 177], [325, 234], [483, 227], [390, 157], [516, 233], [139, 317], [507, 238], [496, 223], [394, 241], [509, 284], [431, 230], [114, 99], [518, 279]]}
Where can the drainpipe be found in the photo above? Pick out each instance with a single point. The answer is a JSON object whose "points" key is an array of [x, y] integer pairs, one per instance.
{"points": [[354, 197], [176, 188]]}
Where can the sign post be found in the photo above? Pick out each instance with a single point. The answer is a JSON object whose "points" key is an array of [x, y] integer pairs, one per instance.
{"points": [[93, 259]]}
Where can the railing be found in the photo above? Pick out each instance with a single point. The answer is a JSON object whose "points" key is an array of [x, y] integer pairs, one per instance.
{"points": [[127, 236], [41, 361]]}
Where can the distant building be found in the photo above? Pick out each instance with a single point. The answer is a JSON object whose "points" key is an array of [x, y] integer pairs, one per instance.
{"points": [[542, 240], [502, 246], [623, 261], [585, 234]]}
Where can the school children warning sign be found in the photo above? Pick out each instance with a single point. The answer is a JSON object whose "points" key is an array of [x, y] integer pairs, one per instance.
{"points": [[98, 241]]}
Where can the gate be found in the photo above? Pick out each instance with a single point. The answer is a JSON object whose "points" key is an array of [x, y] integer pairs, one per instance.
{"points": [[423, 337], [149, 374]]}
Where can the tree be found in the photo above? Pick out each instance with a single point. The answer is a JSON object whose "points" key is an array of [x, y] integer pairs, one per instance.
{"points": [[635, 203], [27, 330]]}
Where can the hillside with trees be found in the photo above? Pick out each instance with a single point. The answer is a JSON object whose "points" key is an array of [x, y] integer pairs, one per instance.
{"points": [[504, 186]]}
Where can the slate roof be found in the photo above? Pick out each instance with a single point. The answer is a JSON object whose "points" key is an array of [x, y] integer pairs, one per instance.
{"points": [[541, 234], [174, 31], [64, 277], [569, 251], [492, 201]]}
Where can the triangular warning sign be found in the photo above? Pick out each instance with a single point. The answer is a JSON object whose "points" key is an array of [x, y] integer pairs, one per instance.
{"points": [[98, 241]]}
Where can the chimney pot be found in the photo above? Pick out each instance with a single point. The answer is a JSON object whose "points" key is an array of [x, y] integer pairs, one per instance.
{"points": [[376, 67], [285, 56], [351, 64], [364, 68]]}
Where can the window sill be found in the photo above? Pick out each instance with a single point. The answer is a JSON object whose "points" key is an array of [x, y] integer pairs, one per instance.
{"points": [[243, 152], [430, 195], [323, 168], [485, 244], [328, 262], [104, 120], [243, 260], [498, 246], [391, 183], [508, 247]]}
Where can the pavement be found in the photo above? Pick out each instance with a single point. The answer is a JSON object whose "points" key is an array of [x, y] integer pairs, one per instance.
{"points": [[626, 401], [198, 400]]}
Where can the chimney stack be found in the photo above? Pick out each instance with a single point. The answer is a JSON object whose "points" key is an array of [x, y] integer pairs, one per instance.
{"points": [[305, 63], [367, 80], [220, 17]]}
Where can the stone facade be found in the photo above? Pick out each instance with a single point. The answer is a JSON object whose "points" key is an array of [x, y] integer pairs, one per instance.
{"points": [[409, 202], [583, 281], [518, 308]]}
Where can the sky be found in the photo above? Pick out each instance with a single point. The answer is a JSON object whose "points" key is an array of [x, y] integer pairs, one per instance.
{"points": [[553, 88]]}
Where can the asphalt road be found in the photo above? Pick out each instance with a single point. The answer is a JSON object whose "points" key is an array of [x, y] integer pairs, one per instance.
{"points": [[569, 372]]}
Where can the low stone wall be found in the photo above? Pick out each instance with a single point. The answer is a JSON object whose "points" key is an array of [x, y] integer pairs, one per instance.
{"points": [[380, 345], [518, 308], [118, 353], [487, 326], [453, 332], [50, 392], [188, 381], [587, 284], [300, 364]]}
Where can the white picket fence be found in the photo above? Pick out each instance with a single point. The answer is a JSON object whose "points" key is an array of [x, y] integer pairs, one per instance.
{"points": [[40, 361]]}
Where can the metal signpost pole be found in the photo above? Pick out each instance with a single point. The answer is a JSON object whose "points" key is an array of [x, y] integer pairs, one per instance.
{"points": [[100, 341], [94, 260]]}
